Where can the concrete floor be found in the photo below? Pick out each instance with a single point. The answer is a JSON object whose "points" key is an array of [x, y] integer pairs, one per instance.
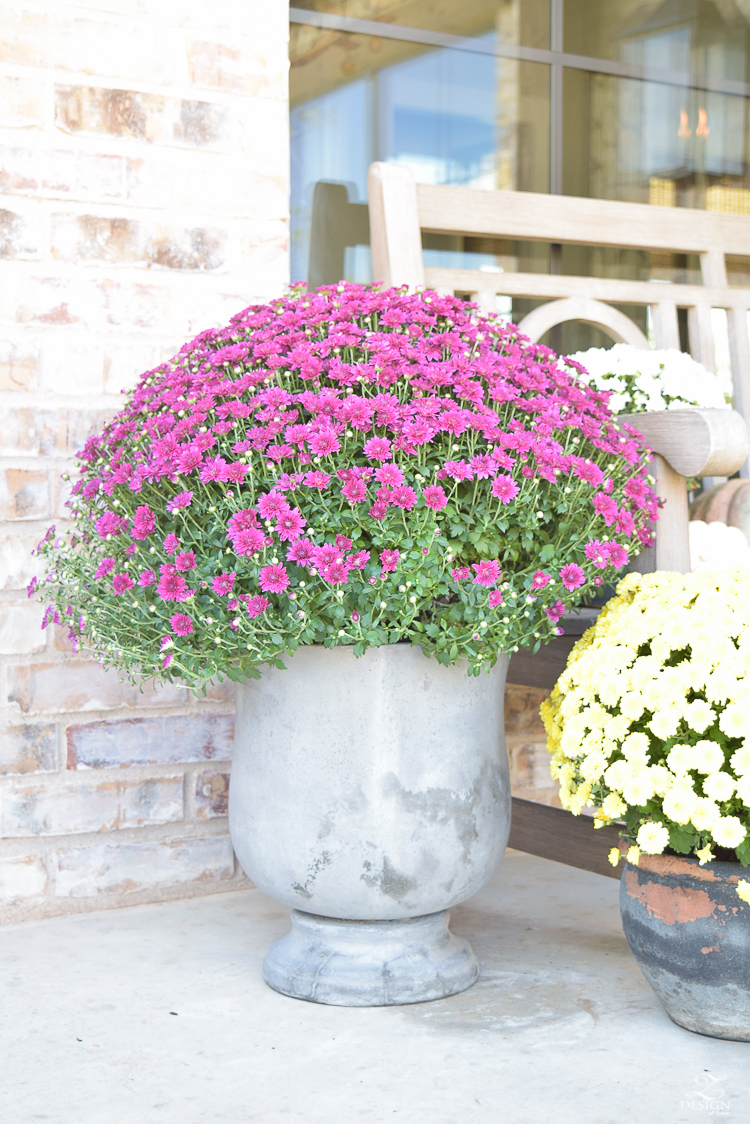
{"points": [[159, 1014]]}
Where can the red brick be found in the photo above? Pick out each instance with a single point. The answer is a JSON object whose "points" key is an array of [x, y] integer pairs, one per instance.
{"points": [[65, 174], [95, 304], [93, 239], [28, 749], [72, 686], [21, 876], [211, 794], [522, 709], [18, 366], [34, 431], [151, 741], [19, 236], [21, 629], [24, 494], [144, 117], [122, 868], [238, 69], [22, 102], [78, 806], [56, 41], [17, 564]]}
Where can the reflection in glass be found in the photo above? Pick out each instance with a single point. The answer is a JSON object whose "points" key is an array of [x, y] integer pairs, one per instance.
{"points": [[525, 22], [453, 117]]}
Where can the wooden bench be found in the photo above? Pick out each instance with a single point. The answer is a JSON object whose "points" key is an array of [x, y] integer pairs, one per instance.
{"points": [[685, 442]]}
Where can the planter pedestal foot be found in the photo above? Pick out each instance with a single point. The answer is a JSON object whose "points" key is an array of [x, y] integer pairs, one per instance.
{"points": [[370, 963]]}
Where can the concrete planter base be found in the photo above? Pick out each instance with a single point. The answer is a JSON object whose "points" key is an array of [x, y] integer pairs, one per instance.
{"points": [[370, 963], [370, 795]]}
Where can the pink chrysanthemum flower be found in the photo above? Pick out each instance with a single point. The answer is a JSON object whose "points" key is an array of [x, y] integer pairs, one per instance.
{"points": [[302, 552], [242, 521], [172, 587], [171, 544], [572, 576], [618, 555], [337, 573], [121, 583], [343, 543], [359, 560], [144, 522], [109, 524], [377, 449], [404, 497], [290, 525], [495, 598], [598, 553], [389, 561], [326, 554], [461, 573], [185, 560], [354, 491], [324, 443], [434, 497], [504, 488], [248, 542], [105, 567], [389, 474], [271, 506], [148, 577], [487, 572], [378, 510], [540, 579], [184, 499], [181, 624], [319, 480], [223, 584], [256, 605], [555, 612], [273, 579], [607, 507]]}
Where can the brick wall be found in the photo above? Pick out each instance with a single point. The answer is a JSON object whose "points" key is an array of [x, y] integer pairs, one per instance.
{"points": [[143, 197]]}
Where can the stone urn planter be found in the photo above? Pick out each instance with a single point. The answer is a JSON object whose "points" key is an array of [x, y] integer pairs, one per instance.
{"points": [[690, 933], [370, 795]]}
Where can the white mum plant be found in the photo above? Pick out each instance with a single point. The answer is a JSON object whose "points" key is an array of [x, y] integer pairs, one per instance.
{"points": [[641, 380]]}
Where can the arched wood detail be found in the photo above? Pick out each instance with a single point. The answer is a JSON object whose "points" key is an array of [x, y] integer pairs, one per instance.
{"points": [[616, 324]]}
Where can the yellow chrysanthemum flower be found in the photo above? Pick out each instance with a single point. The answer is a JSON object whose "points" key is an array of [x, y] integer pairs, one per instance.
{"points": [[614, 858], [743, 890], [705, 854], [728, 831], [633, 855], [652, 838], [719, 786], [614, 714]]}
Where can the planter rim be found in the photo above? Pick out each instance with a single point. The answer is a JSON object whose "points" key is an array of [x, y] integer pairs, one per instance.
{"points": [[688, 866]]}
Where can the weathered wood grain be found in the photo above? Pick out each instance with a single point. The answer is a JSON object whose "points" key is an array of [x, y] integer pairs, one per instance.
{"points": [[553, 833]]}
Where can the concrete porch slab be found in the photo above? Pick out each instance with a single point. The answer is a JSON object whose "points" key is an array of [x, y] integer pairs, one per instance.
{"points": [[561, 1027]]}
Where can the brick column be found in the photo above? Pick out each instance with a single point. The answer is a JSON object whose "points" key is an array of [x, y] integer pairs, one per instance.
{"points": [[143, 198]]}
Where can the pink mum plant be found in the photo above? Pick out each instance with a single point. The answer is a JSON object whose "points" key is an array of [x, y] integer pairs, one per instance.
{"points": [[346, 466]]}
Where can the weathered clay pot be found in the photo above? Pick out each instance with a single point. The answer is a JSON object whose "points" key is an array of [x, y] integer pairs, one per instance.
{"points": [[713, 505], [690, 933], [370, 795]]}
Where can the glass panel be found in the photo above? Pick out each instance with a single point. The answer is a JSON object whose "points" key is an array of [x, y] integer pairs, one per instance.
{"points": [[708, 38], [524, 22], [452, 116], [652, 143]]}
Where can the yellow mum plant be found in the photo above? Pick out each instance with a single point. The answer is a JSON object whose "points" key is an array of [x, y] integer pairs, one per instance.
{"points": [[650, 721]]}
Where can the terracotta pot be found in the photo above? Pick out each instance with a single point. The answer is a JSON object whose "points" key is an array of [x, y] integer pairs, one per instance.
{"points": [[713, 505], [690, 933]]}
